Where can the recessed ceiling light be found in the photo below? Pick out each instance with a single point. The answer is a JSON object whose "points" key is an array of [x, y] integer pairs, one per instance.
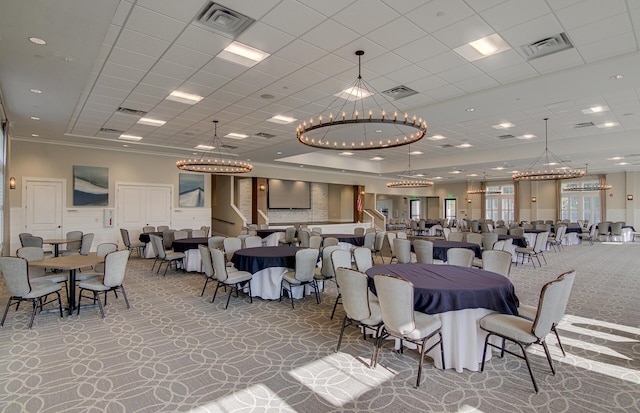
{"points": [[301, 166], [125, 146], [279, 153], [415, 153], [436, 138], [35, 118], [36, 91], [514, 172], [464, 145], [378, 130], [608, 125], [455, 172], [205, 147], [182, 97], [242, 54], [281, 119], [615, 158], [616, 77], [437, 177], [595, 109], [151, 122], [35, 135], [503, 125], [130, 137], [472, 175], [563, 167], [551, 163], [622, 163], [353, 93], [267, 96], [234, 135], [346, 153], [469, 110], [376, 158], [481, 48], [37, 40], [498, 168], [527, 136]]}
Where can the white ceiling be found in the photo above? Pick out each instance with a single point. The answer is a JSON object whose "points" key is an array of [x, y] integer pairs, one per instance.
{"points": [[101, 55]]}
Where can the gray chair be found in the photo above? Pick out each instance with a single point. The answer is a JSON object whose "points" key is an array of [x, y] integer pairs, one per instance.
{"points": [[488, 239], [616, 231], [162, 228], [85, 246], [339, 259], [358, 231], [303, 238], [457, 236], [497, 261], [168, 238], [38, 274], [590, 236], [363, 258], [516, 232], [556, 240], [315, 242], [98, 270], [327, 272], [395, 295], [369, 240], [303, 274], [148, 228], [402, 249], [16, 275], [216, 242], [378, 244], [23, 235], [136, 246], [358, 306], [473, 238], [462, 257], [197, 233], [180, 235], [603, 230], [115, 267], [289, 236], [536, 251], [424, 251], [529, 312], [231, 245], [330, 242], [73, 246], [235, 280], [523, 332], [205, 230], [252, 241], [168, 257]]}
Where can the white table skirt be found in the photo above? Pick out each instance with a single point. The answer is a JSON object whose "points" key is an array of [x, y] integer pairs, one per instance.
{"points": [[272, 240], [148, 251], [462, 339], [266, 284], [192, 261], [531, 238], [571, 238]]}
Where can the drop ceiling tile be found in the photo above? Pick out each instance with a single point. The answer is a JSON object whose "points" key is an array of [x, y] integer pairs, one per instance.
{"points": [[513, 13], [451, 11], [277, 66], [208, 79], [257, 79], [396, 33], [173, 70], [122, 72], [462, 72], [385, 64], [404, 6], [427, 84], [300, 52], [330, 35], [600, 30], [100, 90], [331, 64], [514, 73], [120, 16], [224, 68], [421, 49], [265, 37], [132, 59], [480, 5], [532, 31], [186, 57], [164, 82], [306, 77], [589, 11], [202, 40], [112, 35], [365, 16], [327, 7], [253, 9], [442, 62], [465, 31], [237, 87], [154, 91], [184, 10], [613, 46], [445, 92], [371, 50], [293, 17], [557, 61], [408, 74], [142, 43], [477, 83], [499, 61], [154, 24], [197, 89]]}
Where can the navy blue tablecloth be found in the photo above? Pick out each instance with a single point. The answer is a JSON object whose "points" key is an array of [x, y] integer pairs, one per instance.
{"points": [[144, 237], [357, 240], [517, 240], [184, 244], [440, 248], [259, 258], [442, 288], [264, 233]]}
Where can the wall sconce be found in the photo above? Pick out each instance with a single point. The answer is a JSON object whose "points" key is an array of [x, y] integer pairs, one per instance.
{"points": [[362, 192], [468, 200], [630, 197], [533, 199], [12, 183], [262, 187]]}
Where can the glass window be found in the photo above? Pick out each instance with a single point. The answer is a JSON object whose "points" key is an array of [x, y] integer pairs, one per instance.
{"points": [[581, 205], [414, 209], [499, 205]]}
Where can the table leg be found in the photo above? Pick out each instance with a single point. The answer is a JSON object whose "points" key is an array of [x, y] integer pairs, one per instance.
{"points": [[56, 250], [72, 291]]}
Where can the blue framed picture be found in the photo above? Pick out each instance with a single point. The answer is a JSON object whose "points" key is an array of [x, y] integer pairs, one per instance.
{"points": [[191, 190], [90, 186]]}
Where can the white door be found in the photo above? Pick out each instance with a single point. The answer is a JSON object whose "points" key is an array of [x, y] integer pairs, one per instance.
{"points": [[132, 206], [140, 205], [158, 206], [44, 200]]}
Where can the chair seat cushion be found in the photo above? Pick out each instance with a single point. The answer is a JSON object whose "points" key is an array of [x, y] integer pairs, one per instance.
{"points": [[238, 277], [88, 275], [527, 311], [376, 315], [524, 250], [477, 262], [48, 279], [514, 327], [94, 284], [290, 277], [170, 256], [42, 289], [137, 245], [425, 325]]}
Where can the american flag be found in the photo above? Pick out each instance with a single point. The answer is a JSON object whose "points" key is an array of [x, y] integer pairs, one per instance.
{"points": [[359, 203]]}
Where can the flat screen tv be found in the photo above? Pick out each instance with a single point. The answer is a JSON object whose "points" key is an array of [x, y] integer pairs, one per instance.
{"points": [[288, 194]]}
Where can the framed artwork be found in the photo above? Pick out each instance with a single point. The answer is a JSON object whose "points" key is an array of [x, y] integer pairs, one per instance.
{"points": [[90, 186], [191, 190]]}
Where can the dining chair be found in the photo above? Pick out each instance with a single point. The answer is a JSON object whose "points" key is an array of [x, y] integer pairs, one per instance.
{"points": [[474, 238], [326, 271], [197, 233], [85, 246], [233, 279], [536, 251], [488, 239], [231, 245], [317, 229], [216, 242], [330, 242], [388, 246], [616, 231], [457, 236], [401, 235], [136, 246], [516, 231], [358, 304], [115, 267], [73, 246], [23, 235], [167, 257], [162, 228], [303, 274], [395, 295], [16, 275], [446, 232], [603, 230], [363, 258], [339, 259], [252, 241], [524, 332], [369, 240], [39, 274], [501, 231], [168, 238], [462, 257], [556, 240], [590, 236], [378, 244], [424, 251], [289, 236], [98, 269], [303, 237], [402, 249], [497, 261], [529, 312], [180, 235], [358, 231], [315, 242], [148, 228]]}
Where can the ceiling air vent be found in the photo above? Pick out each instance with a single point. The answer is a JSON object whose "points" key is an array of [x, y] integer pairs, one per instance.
{"points": [[445, 146], [129, 111], [229, 147], [547, 46], [264, 135], [502, 137], [583, 125], [109, 130], [222, 20], [399, 92]]}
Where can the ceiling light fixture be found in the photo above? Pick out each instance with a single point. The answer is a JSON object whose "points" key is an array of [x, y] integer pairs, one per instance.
{"points": [[37, 40], [281, 119], [546, 173], [183, 97], [242, 54], [436, 138], [483, 188], [481, 48], [130, 137], [151, 122], [410, 183], [36, 91], [234, 135], [354, 128], [214, 165], [586, 187]]}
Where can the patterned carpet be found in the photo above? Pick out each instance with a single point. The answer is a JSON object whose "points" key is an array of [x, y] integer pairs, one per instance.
{"points": [[175, 351]]}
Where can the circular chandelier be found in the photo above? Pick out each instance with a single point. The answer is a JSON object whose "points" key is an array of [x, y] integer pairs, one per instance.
{"points": [[214, 165], [544, 172], [483, 189], [587, 188], [409, 183], [360, 127]]}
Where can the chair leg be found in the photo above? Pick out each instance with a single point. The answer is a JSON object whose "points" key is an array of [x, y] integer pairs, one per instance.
{"points": [[549, 359], [79, 301], [559, 342], [484, 351], [423, 347], [229, 296], [526, 359], [216, 292], [205, 285], [33, 314], [124, 294], [6, 310], [335, 305], [97, 296], [60, 304], [344, 325], [444, 367]]}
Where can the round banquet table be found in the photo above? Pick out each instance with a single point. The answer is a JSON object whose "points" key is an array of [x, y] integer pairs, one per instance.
{"points": [[148, 249], [459, 296], [518, 241], [192, 260], [352, 239], [263, 233], [440, 248], [267, 264]]}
